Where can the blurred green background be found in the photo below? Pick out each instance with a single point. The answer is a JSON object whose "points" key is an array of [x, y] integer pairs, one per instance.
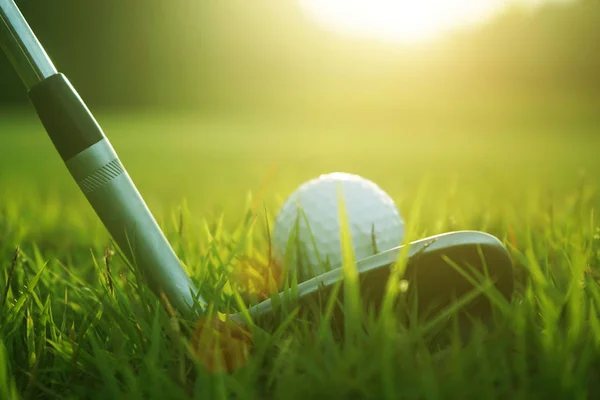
{"points": [[206, 101], [267, 55]]}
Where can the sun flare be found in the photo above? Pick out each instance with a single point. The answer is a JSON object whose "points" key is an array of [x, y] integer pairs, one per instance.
{"points": [[400, 20]]}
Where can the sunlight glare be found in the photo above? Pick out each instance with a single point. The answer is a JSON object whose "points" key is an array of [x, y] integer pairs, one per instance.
{"points": [[400, 20]]}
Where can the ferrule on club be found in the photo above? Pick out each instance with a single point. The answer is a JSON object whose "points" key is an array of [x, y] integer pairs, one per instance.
{"points": [[96, 168]]}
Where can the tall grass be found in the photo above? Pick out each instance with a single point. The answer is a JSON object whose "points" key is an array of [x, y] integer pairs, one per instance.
{"points": [[76, 321]]}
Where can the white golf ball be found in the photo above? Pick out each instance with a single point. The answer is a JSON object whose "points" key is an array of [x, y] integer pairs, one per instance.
{"points": [[310, 218]]}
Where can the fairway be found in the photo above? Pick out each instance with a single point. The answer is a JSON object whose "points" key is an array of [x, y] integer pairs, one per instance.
{"points": [[69, 329], [211, 162]]}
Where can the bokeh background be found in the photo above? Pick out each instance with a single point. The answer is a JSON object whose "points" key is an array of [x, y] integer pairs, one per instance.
{"points": [[207, 101], [214, 56]]}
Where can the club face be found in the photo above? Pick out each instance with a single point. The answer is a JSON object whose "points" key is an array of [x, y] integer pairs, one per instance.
{"points": [[435, 269]]}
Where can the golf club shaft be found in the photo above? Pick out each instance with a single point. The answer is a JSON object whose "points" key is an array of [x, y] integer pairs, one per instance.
{"points": [[94, 164], [22, 47]]}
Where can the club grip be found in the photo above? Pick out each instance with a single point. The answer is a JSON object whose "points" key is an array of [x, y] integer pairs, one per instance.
{"points": [[69, 123]]}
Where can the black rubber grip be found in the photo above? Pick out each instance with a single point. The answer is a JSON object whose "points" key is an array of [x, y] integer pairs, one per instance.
{"points": [[69, 123]]}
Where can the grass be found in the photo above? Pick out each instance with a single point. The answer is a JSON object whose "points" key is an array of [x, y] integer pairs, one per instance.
{"points": [[75, 322]]}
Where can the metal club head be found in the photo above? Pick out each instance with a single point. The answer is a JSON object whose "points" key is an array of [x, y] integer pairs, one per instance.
{"points": [[434, 272]]}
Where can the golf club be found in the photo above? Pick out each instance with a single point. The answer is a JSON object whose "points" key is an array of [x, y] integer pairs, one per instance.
{"points": [[95, 166], [428, 271]]}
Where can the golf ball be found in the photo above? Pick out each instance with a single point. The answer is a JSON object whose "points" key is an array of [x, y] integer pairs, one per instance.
{"points": [[306, 232]]}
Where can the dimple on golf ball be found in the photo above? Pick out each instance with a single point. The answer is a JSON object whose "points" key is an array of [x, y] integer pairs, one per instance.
{"points": [[306, 231]]}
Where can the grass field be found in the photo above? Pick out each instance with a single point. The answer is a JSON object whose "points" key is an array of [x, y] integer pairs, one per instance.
{"points": [[68, 330]]}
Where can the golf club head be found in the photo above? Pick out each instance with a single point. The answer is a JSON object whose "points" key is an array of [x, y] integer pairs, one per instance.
{"points": [[439, 269]]}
